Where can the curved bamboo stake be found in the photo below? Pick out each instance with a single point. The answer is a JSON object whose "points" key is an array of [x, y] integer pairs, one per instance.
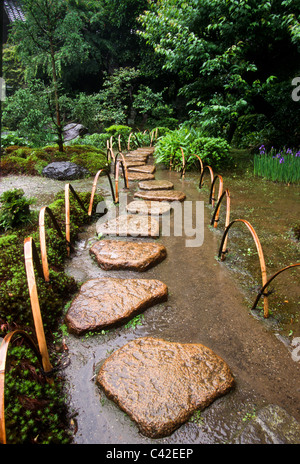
{"points": [[119, 142], [34, 300], [128, 142], [260, 255], [200, 161], [95, 186], [3, 356], [183, 163], [261, 292], [215, 216], [202, 175], [42, 232], [212, 189], [124, 168]]}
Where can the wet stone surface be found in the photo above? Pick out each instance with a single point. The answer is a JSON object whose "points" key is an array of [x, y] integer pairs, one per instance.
{"points": [[136, 176], [271, 425], [137, 256], [108, 302], [129, 225], [148, 168], [161, 195], [148, 207], [160, 384], [156, 185]]}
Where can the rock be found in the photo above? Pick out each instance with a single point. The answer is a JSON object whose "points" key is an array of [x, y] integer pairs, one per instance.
{"points": [[137, 256], [129, 225], [156, 185], [148, 168], [148, 207], [271, 425], [64, 170], [72, 130], [139, 176], [161, 195], [131, 164], [160, 384], [107, 302]]}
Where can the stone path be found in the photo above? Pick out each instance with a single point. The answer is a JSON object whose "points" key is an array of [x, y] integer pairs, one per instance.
{"points": [[157, 383]]}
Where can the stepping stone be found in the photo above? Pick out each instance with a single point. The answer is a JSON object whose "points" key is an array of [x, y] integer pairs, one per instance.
{"points": [[137, 256], [131, 164], [107, 302], [129, 225], [148, 207], [148, 168], [156, 185], [160, 384], [134, 176], [137, 156], [161, 195]]}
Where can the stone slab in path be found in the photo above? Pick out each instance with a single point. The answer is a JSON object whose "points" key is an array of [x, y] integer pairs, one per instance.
{"points": [[137, 256], [156, 185], [148, 207], [137, 176], [161, 195], [160, 384], [147, 168], [107, 302], [131, 164], [129, 225]]}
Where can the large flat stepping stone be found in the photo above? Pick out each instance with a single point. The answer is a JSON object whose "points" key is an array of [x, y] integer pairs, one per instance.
{"points": [[137, 256], [129, 225], [136, 176], [131, 164], [148, 207], [156, 185], [137, 156], [160, 384], [161, 195], [147, 168], [107, 302]]}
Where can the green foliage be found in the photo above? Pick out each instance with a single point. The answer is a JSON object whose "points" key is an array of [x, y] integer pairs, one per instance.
{"points": [[31, 161], [212, 151], [278, 165], [15, 209], [239, 58], [12, 138], [35, 411], [14, 295]]}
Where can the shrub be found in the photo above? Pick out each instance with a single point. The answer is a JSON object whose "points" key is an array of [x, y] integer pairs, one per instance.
{"points": [[213, 151], [15, 210]]}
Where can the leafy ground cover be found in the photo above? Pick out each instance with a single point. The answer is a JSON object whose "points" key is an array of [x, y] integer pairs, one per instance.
{"points": [[35, 411]]}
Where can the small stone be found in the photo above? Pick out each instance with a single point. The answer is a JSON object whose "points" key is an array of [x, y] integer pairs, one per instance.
{"points": [[137, 256], [156, 185], [107, 302], [148, 207], [161, 195], [160, 384], [129, 225]]}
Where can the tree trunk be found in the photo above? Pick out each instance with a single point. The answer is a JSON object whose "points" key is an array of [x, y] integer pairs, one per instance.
{"points": [[56, 97]]}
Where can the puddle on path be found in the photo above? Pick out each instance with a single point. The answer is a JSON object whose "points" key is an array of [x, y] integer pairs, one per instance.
{"points": [[209, 303]]}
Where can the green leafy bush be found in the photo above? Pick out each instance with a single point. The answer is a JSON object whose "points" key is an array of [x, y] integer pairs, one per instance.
{"points": [[213, 151], [15, 209]]}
